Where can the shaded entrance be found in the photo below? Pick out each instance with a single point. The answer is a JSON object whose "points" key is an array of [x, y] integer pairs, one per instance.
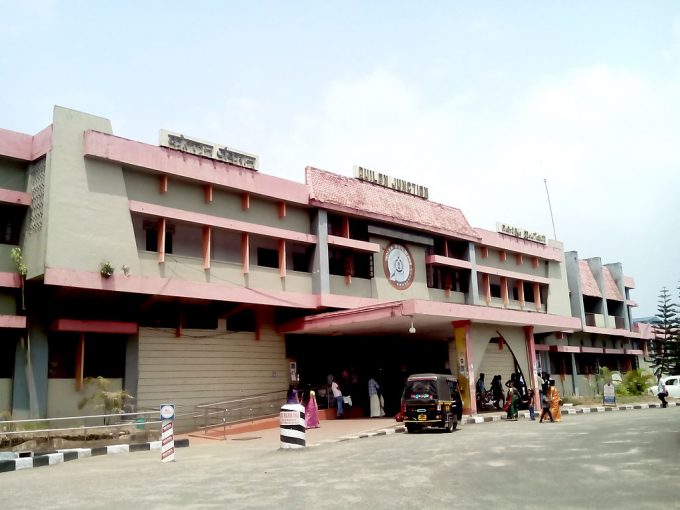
{"points": [[352, 360]]}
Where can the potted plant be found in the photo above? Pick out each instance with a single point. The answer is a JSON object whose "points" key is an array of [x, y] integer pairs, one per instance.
{"points": [[106, 269], [18, 259]]}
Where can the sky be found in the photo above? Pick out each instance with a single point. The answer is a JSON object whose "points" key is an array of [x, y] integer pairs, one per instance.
{"points": [[483, 102]]}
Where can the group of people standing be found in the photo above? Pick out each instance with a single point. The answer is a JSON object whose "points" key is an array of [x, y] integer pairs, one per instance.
{"points": [[518, 395], [550, 399], [308, 401]]}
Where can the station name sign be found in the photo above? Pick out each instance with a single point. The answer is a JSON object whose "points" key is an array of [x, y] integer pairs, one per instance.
{"points": [[522, 233], [210, 150], [387, 181]]}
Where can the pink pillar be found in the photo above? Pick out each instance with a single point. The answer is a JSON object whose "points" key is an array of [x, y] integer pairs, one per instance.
{"points": [[531, 353]]}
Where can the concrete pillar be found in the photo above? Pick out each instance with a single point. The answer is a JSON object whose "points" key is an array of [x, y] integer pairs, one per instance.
{"points": [[575, 288], [131, 377], [473, 289], [466, 374], [29, 397], [573, 374], [320, 267]]}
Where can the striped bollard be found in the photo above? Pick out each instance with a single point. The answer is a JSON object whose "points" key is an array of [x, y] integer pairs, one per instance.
{"points": [[167, 433], [292, 421]]}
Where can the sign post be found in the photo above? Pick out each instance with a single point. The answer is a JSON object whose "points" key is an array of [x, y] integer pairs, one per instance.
{"points": [[167, 433], [609, 392]]}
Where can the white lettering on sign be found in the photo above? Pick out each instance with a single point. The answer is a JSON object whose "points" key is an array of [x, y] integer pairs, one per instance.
{"points": [[289, 418], [210, 150], [522, 233], [402, 185]]}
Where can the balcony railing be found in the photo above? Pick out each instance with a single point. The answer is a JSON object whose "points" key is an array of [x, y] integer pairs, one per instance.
{"points": [[620, 322]]}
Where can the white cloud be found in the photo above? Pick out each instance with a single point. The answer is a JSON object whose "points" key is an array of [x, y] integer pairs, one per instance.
{"points": [[605, 138]]}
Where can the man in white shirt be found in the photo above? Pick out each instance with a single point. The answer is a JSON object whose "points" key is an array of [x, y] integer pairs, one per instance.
{"points": [[337, 395]]}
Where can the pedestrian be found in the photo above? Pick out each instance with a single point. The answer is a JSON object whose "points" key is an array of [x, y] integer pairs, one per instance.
{"points": [[337, 395], [291, 396], [374, 394], [512, 382], [480, 388], [311, 410], [662, 393], [545, 408], [555, 401], [512, 404], [497, 390], [531, 397]]}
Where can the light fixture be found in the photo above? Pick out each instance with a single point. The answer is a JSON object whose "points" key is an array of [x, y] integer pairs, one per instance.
{"points": [[412, 330]]}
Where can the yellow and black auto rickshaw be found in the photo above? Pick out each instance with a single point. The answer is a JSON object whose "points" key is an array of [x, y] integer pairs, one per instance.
{"points": [[431, 400]]}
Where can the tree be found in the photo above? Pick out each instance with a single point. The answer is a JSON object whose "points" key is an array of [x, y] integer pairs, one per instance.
{"points": [[665, 352]]}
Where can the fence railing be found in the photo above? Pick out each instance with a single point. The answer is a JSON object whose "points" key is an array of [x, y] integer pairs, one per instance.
{"points": [[229, 412], [53, 433], [50, 433]]}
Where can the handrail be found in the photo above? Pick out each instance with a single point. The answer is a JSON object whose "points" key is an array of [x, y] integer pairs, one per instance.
{"points": [[252, 397], [216, 414]]}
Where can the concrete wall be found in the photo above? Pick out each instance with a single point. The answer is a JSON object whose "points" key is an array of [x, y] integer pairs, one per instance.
{"points": [[8, 301], [359, 287], [574, 282], [558, 291], [63, 398], [5, 396], [189, 196], [88, 218], [223, 273], [510, 263], [13, 175]]}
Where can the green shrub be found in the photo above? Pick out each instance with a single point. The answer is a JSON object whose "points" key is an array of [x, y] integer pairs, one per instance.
{"points": [[637, 381]]}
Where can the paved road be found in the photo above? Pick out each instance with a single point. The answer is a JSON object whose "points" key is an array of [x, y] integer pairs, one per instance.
{"points": [[628, 459]]}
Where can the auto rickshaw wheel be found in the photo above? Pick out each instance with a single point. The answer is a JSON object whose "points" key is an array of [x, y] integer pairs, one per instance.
{"points": [[451, 424], [411, 429]]}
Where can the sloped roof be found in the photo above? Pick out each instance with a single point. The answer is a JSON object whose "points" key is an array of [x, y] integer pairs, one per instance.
{"points": [[588, 283], [611, 289], [352, 196]]}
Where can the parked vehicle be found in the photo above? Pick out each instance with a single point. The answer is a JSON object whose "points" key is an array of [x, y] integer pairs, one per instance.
{"points": [[672, 386], [486, 401], [431, 400]]}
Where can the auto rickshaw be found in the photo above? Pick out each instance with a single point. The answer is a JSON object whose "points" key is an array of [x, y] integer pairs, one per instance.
{"points": [[431, 400]]}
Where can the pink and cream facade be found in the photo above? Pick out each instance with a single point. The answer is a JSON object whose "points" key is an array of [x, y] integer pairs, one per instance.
{"points": [[229, 282]]}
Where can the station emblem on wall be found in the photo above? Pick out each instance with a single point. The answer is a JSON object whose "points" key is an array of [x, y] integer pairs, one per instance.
{"points": [[398, 264]]}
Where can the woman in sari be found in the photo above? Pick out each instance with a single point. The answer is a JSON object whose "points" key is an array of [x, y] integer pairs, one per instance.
{"points": [[311, 411], [512, 403], [555, 401]]}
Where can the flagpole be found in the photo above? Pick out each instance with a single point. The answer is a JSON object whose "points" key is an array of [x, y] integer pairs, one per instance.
{"points": [[545, 181]]}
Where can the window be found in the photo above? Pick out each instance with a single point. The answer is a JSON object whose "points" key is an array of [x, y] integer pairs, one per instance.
{"points": [[495, 290], [151, 230], [104, 356], [336, 262], [362, 265], [7, 358], [267, 257], [302, 258], [11, 219], [244, 321], [62, 356]]}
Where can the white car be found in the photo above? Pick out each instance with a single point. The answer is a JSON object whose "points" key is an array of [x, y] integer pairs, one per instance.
{"points": [[672, 386]]}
